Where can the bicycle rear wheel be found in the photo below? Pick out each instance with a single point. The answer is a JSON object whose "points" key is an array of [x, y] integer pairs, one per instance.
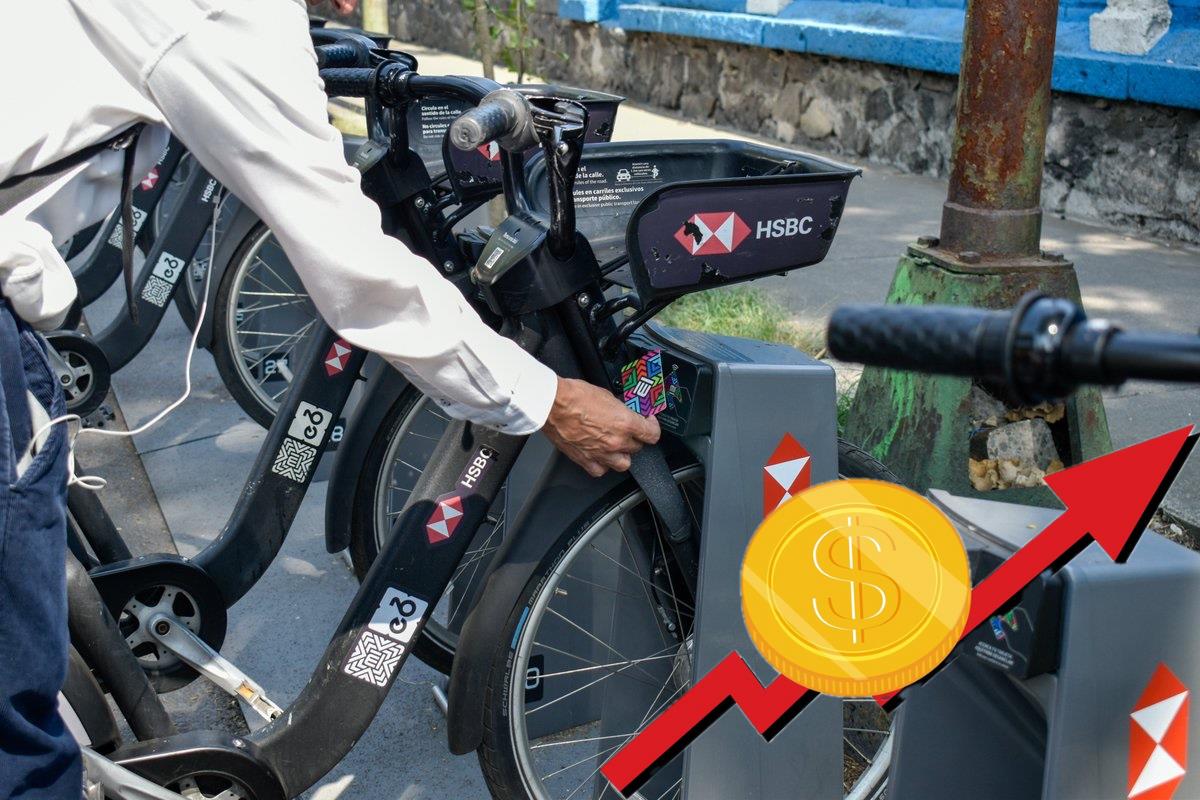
{"points": [[601, 644]]}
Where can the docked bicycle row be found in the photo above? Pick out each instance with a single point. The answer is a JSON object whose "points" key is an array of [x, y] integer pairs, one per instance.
{"points": [[566, 610]]}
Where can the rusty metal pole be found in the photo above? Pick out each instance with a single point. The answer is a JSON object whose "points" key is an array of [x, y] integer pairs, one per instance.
{"points": [[945, 432], [994, 207]]}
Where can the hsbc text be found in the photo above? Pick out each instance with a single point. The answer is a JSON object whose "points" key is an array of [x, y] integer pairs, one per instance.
{"points": [[479, 465], [781, 228]]}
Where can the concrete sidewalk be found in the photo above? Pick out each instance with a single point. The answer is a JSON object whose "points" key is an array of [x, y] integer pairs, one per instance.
{"points": [[199, 457]]}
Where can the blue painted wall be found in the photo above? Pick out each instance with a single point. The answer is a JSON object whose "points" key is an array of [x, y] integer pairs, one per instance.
{"points": [[921, 34]]}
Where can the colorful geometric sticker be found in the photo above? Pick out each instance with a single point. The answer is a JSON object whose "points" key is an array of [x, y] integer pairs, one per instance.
{"points": [[674, 390], [642, 383], [1158, 738]]}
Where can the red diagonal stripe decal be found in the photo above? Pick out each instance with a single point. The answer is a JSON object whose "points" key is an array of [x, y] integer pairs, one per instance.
{"points": [[768, 708]]}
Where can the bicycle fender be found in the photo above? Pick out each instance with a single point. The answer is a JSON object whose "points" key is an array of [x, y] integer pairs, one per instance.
{"points": [[559, 495], [383, 387], [245, 218]]}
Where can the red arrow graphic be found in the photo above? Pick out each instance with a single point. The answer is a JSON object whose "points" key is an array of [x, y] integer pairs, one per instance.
{"points": [[1108, 500]]}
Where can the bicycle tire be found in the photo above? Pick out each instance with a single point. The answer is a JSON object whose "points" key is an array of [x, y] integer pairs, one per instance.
{"points": [[503, 766], [225, 349]]}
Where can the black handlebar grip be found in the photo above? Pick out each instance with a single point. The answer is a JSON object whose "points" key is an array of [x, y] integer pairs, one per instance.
{"points": [[347, 82], [939, 339], [337, 54], [480, 125], [503, 116]]}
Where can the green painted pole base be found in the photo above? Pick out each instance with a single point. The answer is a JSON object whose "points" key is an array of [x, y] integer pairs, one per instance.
{"points": [[921, 426]]}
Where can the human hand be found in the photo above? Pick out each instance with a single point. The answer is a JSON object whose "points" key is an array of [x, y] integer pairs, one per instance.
{"points": [[595, 430], [340, 6]]}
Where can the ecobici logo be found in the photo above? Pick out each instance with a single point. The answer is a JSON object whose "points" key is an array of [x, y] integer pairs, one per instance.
{"points": [[722, 232]]}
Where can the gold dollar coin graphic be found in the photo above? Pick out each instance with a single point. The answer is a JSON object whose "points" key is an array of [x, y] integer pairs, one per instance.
{"points": [[855, 588]]}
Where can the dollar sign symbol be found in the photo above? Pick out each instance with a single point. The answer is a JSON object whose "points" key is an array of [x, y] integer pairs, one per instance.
{"points": [[869, 598]]}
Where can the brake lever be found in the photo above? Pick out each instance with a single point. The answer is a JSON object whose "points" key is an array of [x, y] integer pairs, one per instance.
{"points": [[560, 126]]}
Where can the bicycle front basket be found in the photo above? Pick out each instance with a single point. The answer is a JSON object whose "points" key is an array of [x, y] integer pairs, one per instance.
{"points": [[694, 214], [774, 211]]}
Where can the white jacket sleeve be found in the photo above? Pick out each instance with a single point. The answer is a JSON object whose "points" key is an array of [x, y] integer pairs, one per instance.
{"points": [[33, 276], [241, 90]]}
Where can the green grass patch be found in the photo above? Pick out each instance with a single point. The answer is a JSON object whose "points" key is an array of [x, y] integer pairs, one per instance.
{"points": [[746, 312], [845, 399]]}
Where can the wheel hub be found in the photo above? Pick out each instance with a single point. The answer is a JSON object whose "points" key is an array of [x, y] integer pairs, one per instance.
{"points": [[140, 609]]}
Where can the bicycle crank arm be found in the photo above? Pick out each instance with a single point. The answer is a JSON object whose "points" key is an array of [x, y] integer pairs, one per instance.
{"points": [[190, 648]]}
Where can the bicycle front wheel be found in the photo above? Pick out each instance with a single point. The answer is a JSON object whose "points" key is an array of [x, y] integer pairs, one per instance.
{"points": [[602, 644], [263, 319]]}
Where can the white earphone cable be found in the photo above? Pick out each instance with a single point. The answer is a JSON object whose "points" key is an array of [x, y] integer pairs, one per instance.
{"points": [[95, 483]]}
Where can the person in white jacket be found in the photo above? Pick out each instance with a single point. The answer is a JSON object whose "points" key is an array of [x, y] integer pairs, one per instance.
{"points": [[236, 81]]}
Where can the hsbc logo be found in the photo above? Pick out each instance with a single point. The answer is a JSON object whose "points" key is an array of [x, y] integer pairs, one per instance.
{"points": [[721, 233], [490, 151], [713, 234], [150, 181]]}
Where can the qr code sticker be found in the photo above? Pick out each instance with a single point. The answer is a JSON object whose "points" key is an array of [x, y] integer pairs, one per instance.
{"points": [[294, 460], [156, 291], [116, 238], [374, 659]]}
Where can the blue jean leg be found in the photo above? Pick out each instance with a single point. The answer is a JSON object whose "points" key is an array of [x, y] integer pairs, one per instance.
{"points": [[38, 756]]}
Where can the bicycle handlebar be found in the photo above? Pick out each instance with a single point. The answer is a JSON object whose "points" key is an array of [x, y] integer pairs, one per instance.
{"points": [[338, 54], [945, 340], [393, 83], [348, 81], [1043, 349], [503, 116]]}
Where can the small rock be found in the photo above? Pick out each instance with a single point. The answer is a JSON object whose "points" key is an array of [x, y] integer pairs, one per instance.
{"points": [[984, 409], [1051, 412], [1027, 443], [816, 122], [1131, 27]]}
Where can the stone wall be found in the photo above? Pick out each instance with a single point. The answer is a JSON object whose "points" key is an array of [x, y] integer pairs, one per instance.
{"points": [[1131, 165]]}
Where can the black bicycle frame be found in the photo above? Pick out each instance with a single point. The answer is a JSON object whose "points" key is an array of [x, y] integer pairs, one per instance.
{"points": [[103, 265], [393, 604], [300, 432], [166, 265]]}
